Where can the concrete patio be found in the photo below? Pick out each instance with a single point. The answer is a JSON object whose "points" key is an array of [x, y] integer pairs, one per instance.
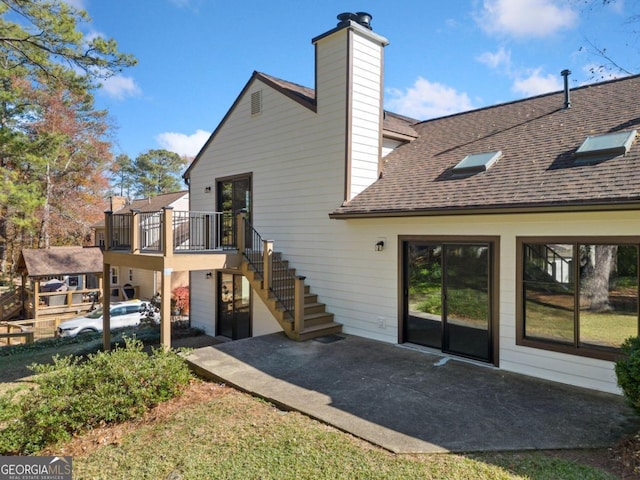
{"points": [[410, 401]]}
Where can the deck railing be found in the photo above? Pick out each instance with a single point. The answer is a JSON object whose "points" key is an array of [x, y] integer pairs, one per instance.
{"points": [[144, 232]]}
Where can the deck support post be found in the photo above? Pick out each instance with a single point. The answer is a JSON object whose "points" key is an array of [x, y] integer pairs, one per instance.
{"points": [[165, 309], [106, 307]]}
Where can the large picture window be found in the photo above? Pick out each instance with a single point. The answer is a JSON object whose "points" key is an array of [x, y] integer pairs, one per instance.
{"points": [[578, 296]]}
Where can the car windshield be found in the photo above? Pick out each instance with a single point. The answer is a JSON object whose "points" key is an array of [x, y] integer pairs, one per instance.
{"points": [[95, 314]]}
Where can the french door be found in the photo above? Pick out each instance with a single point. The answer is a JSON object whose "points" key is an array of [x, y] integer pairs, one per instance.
{"points": [[234, 195], [448, 297], [234, 306]]}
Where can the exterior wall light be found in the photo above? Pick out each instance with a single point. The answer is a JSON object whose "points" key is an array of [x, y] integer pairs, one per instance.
{"points": [[207, 189], [379, 246], [209, 275]]}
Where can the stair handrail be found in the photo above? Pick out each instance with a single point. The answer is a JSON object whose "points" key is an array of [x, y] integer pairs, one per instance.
{"points": [[259, 254], [550, 252]]}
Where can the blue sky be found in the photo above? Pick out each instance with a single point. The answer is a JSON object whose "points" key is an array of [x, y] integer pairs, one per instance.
{"points": [[444, 57]]}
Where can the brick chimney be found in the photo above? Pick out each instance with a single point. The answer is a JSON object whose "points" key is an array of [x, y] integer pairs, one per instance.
{"points": [[349, 95], [117, 203]]}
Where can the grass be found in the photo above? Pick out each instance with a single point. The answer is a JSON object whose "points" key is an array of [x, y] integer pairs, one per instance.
{"points": [[230, 435], [605, 329], [235, 436]]}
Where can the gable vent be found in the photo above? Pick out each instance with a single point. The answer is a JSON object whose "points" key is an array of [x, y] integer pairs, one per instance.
{"points": [[256, 102]]}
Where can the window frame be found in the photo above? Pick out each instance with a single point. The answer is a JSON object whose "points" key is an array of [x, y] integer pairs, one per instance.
{"points": [[602, 353]]}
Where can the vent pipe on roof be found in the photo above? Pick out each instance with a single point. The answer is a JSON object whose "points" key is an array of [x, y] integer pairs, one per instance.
{"points": [[362, 18], [567, 100]]}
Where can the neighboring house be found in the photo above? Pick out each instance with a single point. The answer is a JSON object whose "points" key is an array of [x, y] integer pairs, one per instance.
{"points": [[508, 235], [127, 281]]}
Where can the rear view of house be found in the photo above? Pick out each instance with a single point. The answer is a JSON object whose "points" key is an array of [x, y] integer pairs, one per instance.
{"points": [[508, 235]]}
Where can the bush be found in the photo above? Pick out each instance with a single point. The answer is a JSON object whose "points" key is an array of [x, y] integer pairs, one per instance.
{"points": [[628, 371], [72, 397]]}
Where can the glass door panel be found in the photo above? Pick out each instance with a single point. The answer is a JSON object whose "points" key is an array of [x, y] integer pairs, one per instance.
{"points": [[225, 305], [242, 308], [423, 284], [467, 302], [234, 306], [233, 195]]}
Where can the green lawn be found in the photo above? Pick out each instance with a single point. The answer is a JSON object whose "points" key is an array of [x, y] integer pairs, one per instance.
{"points": [[216, 432], [604, 329], [235, 436]]}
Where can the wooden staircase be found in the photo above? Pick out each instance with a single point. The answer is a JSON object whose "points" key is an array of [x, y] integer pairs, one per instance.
{"points": [[10, 305], [307, 318]]}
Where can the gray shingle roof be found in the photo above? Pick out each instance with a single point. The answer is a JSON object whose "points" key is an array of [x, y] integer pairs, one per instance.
{"points": [[153, 204], [537, 170], [148, 205]]}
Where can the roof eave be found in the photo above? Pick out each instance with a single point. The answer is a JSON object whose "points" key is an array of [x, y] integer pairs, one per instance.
{"points": [[497, 210], [391, 135]]}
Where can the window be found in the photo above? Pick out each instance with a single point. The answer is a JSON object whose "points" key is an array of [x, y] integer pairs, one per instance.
{"points": [[114, 275], [478, 162], [578, 296], [133, 308]]}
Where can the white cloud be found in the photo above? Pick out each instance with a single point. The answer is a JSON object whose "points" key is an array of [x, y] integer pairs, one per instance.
{"points": [[501, 58], [427, 99], [182, 144], [120, 87], [536, 83], [526, 18]]}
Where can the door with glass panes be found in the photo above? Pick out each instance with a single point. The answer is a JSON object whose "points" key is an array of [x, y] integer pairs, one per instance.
{"points": [[234, 306], [447, 301], [234, 195]]}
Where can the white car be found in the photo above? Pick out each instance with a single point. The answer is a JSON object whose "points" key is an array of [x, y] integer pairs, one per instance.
{"points": [[123, 314]]}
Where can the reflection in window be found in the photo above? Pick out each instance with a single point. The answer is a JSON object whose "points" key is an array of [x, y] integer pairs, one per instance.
{"points": [[608, 294], [598, 311]]}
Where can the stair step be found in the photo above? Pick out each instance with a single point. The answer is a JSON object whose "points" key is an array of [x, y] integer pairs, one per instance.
{"points": [[317, 319], [314, 307], [319, 331]]}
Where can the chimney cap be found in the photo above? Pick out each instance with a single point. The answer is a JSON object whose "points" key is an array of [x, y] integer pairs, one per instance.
{"points": [[361, 18]]}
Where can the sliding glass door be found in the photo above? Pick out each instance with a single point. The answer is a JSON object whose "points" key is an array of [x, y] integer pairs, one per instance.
{"points": [[447, 297]]}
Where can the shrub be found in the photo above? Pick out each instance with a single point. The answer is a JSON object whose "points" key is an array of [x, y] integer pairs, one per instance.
{"points": [[628, 371], [73, 396], [180, 298]]}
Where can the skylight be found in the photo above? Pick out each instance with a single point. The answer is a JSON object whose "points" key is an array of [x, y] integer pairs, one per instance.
{"points": [[610, 144], [478, 162]]}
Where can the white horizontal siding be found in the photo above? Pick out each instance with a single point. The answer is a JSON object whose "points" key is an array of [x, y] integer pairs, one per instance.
{"points": [[369, 280], [203, 302], [366, 109], [297, 160], [389, 146]]}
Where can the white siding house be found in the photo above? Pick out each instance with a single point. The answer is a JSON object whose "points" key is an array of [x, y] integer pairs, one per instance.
{"points": [[355, 198]]}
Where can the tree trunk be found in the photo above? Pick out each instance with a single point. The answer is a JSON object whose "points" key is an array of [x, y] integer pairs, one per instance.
{"points": [[43, 238], [595, 282]]}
